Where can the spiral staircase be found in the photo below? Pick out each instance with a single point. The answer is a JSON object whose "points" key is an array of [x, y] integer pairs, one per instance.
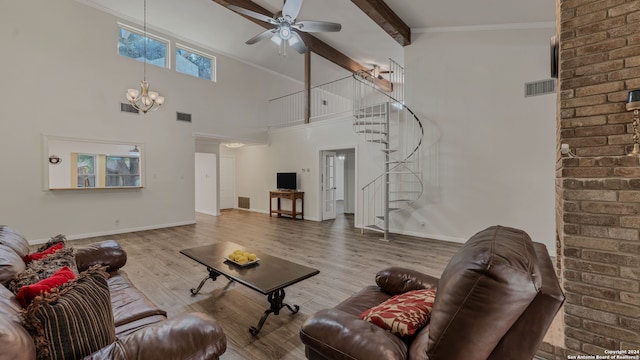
{"points": [[383, 119]]}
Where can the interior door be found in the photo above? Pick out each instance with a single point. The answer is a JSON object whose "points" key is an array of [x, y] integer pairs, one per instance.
{"points": [[206, 183], [227, 182], [328, 185]]}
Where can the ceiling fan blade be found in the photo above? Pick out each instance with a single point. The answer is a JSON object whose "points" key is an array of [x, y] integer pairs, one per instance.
{"points": [[292, 8], [263, 35], [317, 26], [298, 45], [253, 14]]}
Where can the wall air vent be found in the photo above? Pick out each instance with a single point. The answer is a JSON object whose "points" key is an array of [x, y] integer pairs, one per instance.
{"points": [[541, 87], [183, 117], [124, 107], [243, 202]]}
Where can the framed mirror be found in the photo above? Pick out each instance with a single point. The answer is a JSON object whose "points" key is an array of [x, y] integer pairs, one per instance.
{"points": [[83, 164]]}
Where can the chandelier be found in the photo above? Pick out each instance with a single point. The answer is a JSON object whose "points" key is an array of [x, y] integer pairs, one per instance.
{"points": [[143, 99]]}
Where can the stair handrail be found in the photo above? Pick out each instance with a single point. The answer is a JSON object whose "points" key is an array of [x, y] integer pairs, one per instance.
{"points": [[362, 74]]}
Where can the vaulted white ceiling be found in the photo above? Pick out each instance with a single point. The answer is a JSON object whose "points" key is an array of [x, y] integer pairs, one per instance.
{"points": [[214, 27]]}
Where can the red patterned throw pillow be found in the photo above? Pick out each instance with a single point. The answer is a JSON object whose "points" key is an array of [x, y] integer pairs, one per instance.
{"points": [[29, 292], [403, 314], [43, 254]]}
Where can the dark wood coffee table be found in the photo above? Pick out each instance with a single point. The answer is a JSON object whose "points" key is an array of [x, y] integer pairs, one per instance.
{"points": [[269, 276]]}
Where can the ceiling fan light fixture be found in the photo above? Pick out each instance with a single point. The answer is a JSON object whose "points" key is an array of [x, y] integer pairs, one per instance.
{"points": [[285, 32], [276, 39], [293, 40], [376, 71], [286, 28]]}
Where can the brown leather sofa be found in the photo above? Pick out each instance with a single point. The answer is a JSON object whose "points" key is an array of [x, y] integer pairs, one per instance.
{"points": [[142, 329], [495, 300]]}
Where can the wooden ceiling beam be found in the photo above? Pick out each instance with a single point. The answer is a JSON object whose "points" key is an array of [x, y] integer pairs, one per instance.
{"points": [[388, 20], [313, 43]]}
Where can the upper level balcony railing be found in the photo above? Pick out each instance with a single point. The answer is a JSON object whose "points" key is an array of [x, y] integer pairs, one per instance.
{"points": [[327, 100]]}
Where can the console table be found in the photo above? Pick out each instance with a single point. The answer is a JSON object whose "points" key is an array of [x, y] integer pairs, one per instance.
{"points": [[291, 195]]}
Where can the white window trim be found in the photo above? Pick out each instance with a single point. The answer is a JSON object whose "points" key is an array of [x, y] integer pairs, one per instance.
{"points": [[213, 59], [139, 31]]}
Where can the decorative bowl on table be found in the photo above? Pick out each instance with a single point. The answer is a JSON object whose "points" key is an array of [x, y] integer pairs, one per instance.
{"points": [[242, 258]]}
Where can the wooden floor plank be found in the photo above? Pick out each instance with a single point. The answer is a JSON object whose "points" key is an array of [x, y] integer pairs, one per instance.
{"points": [[347, 261]]}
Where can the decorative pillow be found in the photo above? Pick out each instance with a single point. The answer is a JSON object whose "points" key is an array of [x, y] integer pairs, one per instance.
{"points": [[74, 320], [41, 269], [58, 239], [27, 293], [42, 254], [403, 314]]}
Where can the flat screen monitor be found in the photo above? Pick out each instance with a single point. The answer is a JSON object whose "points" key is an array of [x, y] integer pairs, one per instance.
{"points": [[286, 181]]}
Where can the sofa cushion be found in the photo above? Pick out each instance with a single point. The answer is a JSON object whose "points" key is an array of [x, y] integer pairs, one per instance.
{"points": [[11, 264], [15, 341], [41, 269], [27, 293], [133, 326], [403, 314], [42, 254], [128, 303], [489, 282], [13, 239], [74, 320]]}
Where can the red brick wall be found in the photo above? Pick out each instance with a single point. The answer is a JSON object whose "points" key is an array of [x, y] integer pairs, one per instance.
{"points": [[599, 190]]}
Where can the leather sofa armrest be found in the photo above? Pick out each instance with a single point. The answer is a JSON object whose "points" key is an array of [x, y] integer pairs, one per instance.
{"points": [[397, 280], [186, 336], [107, 253], [338, 335]]}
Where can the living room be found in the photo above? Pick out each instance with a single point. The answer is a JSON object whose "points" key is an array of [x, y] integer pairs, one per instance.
{"points": [[493, 150]]}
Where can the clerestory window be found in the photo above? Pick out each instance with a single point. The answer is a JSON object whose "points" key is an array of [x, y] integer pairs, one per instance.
{"points": [[133, 44], [195, 63]]}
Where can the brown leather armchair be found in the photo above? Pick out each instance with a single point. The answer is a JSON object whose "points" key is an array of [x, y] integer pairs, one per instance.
{"points": [[496, 299]]}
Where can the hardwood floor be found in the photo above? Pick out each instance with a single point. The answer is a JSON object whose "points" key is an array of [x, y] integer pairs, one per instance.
{"points": [[346, 259]]}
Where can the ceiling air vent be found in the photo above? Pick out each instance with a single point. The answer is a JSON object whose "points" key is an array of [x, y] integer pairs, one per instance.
{"points": [[183, 117], [541, 87], [124, 107]]}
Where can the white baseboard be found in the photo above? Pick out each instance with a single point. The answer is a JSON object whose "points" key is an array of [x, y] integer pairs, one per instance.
{"points": [[431, 236], [424, 235], [207, 212], [116, 231], [267, 212]]}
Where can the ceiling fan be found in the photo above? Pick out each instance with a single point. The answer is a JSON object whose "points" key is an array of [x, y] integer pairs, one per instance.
{"points": [[377, 72], [285, 27]]}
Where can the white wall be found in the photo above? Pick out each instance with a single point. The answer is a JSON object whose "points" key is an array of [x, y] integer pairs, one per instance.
{"points": [[296, 148], [350, 184], [490, 154], [62, 76]]}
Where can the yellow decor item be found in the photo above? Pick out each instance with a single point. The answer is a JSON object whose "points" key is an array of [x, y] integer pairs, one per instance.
{"points": [[242, 257]]}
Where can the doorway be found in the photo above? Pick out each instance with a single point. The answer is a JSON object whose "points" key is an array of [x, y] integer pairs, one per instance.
{"points": [[337, 185]]}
